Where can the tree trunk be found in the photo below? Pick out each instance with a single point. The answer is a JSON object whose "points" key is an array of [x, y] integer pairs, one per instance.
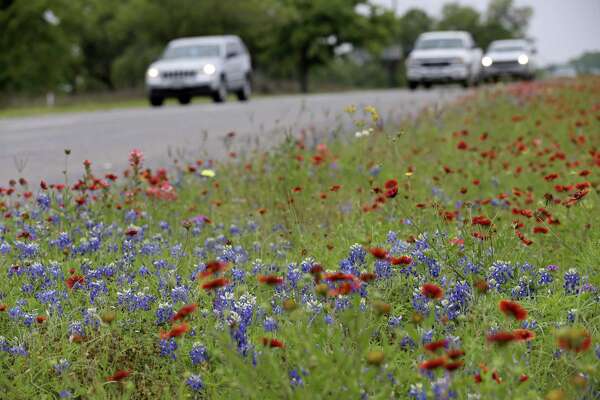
{"points": [[303, 68]]}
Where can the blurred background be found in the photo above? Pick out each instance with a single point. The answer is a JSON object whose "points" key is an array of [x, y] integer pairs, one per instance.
{"points": [[66, 51]]}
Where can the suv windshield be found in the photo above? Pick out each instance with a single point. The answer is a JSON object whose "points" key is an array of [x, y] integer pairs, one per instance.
{"points": [[192, 51], [501, 48], [440, 44]]}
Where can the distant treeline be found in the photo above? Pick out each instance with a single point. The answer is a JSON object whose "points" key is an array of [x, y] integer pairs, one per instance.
{"points": [[91, 45]]}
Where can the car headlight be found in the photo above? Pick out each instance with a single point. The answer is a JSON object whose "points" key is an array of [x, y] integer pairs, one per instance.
{"points": [[152, 72], [487, 61], [523, 59], [209, 69]]}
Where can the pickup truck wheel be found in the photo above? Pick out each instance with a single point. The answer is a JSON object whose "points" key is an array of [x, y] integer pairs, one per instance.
{"points": [[156, 101], [465, 83], [427, 85], [220, 95], [412, 85], [184, 100], [246, 90]]}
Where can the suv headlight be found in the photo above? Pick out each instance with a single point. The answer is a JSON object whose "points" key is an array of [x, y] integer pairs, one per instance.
{"points": [[523, 59], [487, 61], [152, 72], [209, 69], [411, 62]]}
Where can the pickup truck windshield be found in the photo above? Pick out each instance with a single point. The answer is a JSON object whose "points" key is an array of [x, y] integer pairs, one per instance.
{"points": [[440, 44], [195, 51]]}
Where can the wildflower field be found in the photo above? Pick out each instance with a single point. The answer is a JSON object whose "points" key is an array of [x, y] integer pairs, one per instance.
{"points": [[455, 256]]}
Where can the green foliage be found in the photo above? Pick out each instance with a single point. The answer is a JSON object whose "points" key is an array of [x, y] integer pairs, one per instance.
{"points": [[588, 63], [107, 44]]}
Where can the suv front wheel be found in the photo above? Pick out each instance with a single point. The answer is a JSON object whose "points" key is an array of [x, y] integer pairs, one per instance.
{"points": [[220, 95], [243, 94], [156, 101]]}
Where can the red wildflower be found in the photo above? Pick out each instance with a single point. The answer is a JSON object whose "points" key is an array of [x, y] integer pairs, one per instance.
{"points": [[433, 363], [367, 276], [512, 308], [402, 260], [316, 269], [213, 267], [339, 276], [540, 229], [501, 337], [523, 378], [118, 376], [496, 377], [453, 366], [434, 346], [391, 193], [462, 145], [73, 279], [523, 335], [270, 279], [184, 312], [215, 284], [3, 307], [276, 343], [481, 220], [551, 177], [40, 319], [391, 183], [176, 331], [574, 339], [335, 188], [432, 291], [455, 353], [344, 288], [378, 252]]}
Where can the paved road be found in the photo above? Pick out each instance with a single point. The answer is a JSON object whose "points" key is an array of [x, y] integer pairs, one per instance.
{"points": [[34, 147]]}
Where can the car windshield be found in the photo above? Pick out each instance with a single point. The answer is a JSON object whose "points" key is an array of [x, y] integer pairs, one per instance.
{"points": [[192, 51], [441, 43], [501, 48]]}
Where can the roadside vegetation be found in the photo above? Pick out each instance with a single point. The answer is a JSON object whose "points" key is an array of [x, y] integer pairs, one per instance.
{"points": [[454, 256]]}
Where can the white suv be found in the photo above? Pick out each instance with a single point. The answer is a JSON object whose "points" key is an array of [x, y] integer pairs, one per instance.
{"points": [[444, 56], [514, 58], [200, 66]]}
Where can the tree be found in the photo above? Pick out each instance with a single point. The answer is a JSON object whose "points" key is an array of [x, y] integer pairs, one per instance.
{"points": [[513, 19], [36, 54], [414, 22], [307, 32]]}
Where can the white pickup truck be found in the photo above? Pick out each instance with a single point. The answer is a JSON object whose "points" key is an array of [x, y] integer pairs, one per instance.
{"points": [[443, 57]]}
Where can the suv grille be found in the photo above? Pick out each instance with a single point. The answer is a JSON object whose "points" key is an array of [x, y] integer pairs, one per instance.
{"points": [[178, 74], [506, 64]]}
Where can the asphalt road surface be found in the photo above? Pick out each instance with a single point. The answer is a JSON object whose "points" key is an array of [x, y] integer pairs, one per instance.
{"points": [[33, 147]]}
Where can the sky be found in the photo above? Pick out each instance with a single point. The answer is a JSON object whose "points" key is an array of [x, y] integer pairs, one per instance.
{"points": [[562, 29]]}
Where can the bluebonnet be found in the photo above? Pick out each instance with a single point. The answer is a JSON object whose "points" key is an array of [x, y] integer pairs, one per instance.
{"points": [[571, 314], [500, 273], [270, 324], [164, 312], [179, 294], [65, 394], [4, 248], [293, 275], [417, 392], [383, 269], [76, 328], [18, 350], [168, 347], [195, 383], [545, 277], [61, 366], [296, 378], [572, 281], [395, 322], [198, 354]]}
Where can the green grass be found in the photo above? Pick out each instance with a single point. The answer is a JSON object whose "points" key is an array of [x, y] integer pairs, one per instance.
{"points": [[310, 202]]}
